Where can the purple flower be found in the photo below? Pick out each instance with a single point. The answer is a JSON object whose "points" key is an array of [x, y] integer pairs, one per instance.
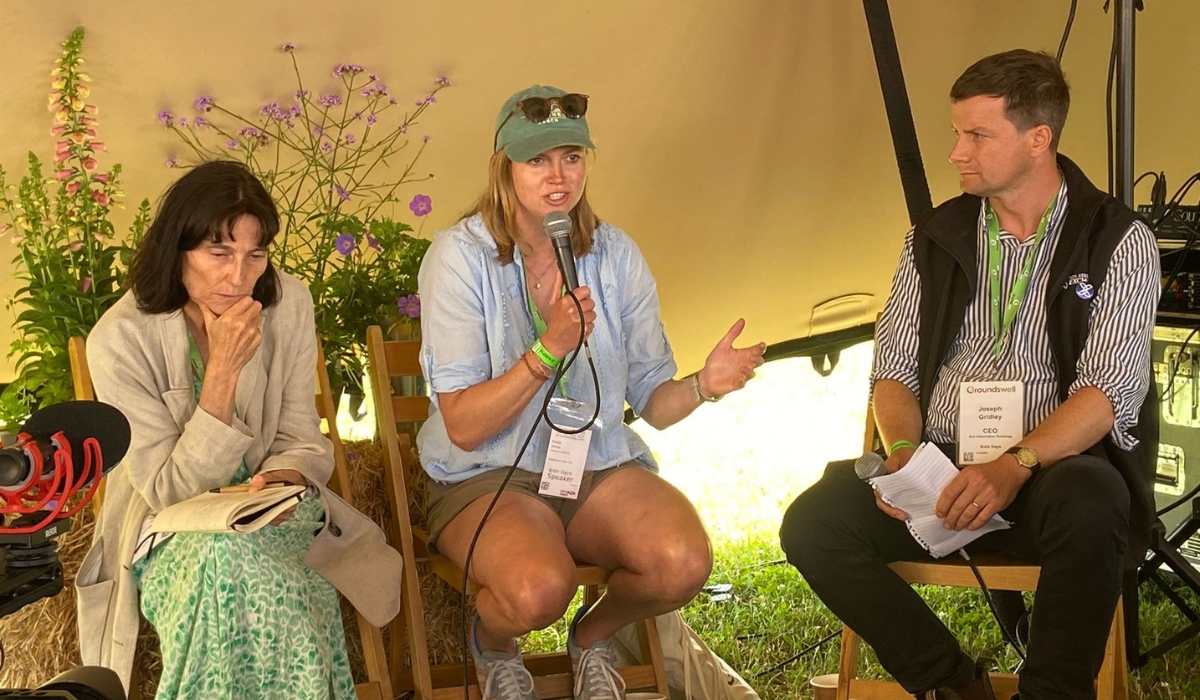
{"points": [[203, 103], [421, 205], [371, 119], [342, 68], [326, 147], [318, 131], [372, 76], [426, 138], [183, 121], [294, 111], [300, 95], [341, 192], [87, 284], [403, 128], [409, 306], [430, 99], [288, 47], [345, 243], [269, 109], [201, 123], [392, 101], [349, 138], [165, 117], [247, 132], [330, 100], [232, 144], [443, 81], [376, 89], [172, 162], [374, 243], [357, 116]]}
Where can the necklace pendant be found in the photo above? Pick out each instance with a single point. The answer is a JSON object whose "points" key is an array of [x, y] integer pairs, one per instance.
{"points": [[538, 285]]}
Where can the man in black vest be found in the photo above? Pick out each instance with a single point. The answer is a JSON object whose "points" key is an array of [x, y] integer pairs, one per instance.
{"points": [[1035, 285]]}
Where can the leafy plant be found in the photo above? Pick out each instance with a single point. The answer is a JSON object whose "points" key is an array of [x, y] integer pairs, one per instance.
{"points": [[70, 266], [326, 161]]}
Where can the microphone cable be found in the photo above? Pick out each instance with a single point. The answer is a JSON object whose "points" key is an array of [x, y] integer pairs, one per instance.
{"points": [[542, 415], [987, 596]]}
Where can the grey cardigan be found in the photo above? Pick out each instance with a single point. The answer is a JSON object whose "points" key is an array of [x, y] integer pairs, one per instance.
{"points": [[140, 364]]}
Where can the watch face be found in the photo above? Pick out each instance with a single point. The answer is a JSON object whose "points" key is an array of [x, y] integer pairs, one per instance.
{"points": [[1027, 457]]}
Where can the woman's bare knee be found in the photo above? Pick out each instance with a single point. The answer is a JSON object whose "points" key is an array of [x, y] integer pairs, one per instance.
{"points": [[535, 597]]}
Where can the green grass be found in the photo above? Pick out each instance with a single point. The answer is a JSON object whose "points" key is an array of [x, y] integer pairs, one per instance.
{"points": [[773, 616]]}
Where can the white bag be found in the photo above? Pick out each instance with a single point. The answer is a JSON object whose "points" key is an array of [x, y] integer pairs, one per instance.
{"points": [[694, 672]]}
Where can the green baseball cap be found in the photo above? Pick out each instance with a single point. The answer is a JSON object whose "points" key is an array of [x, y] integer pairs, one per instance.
{"points": [[522, 139]]}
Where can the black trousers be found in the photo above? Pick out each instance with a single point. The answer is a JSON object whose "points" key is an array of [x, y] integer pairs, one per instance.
{"points": [[1071, 519]]}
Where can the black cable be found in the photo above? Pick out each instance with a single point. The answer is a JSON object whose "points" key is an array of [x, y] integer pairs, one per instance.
{"points": [[562, 369], [987, 595], [1182, 499], [1062, 45], [1108, 105], [1193, 236], [797, 657]]}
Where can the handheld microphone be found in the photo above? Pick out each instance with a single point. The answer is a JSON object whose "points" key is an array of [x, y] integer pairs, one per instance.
{"points": [[870, 465], [557, 225]]}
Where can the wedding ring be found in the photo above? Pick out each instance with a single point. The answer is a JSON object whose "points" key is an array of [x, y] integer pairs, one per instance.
{"points": [[976, 505]]}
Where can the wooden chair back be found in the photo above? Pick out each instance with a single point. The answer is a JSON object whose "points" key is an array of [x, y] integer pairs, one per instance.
{"points": [[379, 680]]}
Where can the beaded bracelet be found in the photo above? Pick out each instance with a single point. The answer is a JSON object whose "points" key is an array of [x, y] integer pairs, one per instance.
{"points": [[540, 375]]}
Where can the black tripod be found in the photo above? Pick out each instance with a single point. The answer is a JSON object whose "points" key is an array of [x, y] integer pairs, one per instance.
{"points": [[1165, 551]]}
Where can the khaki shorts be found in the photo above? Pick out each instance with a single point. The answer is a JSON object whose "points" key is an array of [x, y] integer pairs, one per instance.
{"points": [[448, 500]]}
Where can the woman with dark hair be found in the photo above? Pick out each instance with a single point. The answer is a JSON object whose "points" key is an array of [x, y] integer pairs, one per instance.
{"points": [[211, 356], [496, 325]]}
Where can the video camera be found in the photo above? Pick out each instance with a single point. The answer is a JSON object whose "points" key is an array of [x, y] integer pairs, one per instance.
{"points": [[50, 474]]}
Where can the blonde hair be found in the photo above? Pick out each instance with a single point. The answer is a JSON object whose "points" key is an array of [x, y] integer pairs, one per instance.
{"points": [[499, 206]]}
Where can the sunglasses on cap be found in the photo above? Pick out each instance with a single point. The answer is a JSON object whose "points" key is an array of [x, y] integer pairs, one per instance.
{"points": [[538, 109]]}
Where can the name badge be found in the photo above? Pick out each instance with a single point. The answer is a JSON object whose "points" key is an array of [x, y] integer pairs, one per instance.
{"points": [[566, 456], [990, 419]]}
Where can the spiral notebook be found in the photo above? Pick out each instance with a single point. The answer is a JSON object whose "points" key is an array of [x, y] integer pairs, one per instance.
{"points": [[915, 489]]}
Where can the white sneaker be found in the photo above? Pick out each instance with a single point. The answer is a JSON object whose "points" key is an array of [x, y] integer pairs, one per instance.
{"points": [[595, 668], [501, 676]]}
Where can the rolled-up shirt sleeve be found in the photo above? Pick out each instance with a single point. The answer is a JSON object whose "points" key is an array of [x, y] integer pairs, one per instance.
{"points": [[651, 361], [454, 346], [1116, 355], [896, 337]]}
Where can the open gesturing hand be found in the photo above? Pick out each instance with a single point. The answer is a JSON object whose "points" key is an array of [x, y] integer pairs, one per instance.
{"points": [[727, 368]]}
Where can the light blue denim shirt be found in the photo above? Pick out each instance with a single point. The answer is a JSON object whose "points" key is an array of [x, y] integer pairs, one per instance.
{"points": [[475, 324]]}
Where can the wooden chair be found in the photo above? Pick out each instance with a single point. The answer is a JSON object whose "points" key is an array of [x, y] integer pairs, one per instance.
{"points": [[81, 378], [1001, 574], [378, 685], [379, 680], [552, 672]]}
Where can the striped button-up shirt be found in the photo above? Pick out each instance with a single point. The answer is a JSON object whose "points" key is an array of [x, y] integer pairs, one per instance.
{"points": [[1115, 357]]}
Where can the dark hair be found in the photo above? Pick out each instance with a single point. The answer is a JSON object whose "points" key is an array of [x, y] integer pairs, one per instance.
{"points": [[1033, 86], [203, 205]]}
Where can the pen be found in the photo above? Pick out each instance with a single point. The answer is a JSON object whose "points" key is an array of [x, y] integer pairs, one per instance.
{"points": [[243, 488]]}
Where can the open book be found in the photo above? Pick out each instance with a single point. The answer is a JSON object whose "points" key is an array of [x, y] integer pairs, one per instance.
{"points": [[915, 489], [227, 512]]}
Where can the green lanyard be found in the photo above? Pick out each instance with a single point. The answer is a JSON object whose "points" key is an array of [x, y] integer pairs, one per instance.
{"points": [[540, 324], [1002, 320]]}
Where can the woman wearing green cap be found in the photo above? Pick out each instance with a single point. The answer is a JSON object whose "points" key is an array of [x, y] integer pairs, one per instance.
{"points": [[496, 327]]}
